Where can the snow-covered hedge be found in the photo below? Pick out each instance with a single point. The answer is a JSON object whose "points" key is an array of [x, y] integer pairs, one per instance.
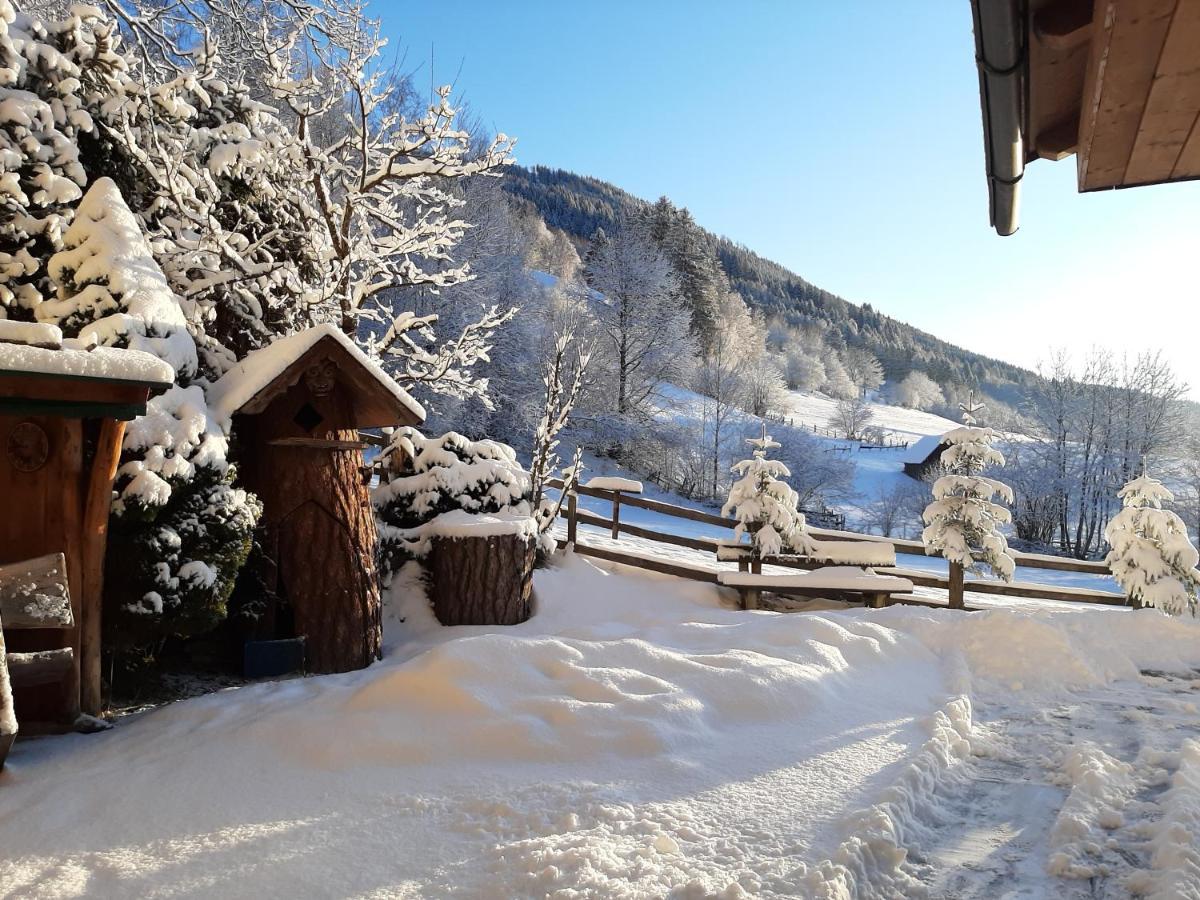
{"points": [[442, 475]]}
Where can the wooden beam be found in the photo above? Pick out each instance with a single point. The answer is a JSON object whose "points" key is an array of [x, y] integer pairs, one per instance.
{"points": [[1063, 25], [1127, 40], [97, 506], [1058, 141], [41, 667], [317, 443], [1173, 105]]}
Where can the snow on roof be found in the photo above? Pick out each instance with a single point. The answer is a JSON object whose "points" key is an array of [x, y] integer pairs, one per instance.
{"points": [[108, 363], [35, 334], [244, 381], [922, 449]]}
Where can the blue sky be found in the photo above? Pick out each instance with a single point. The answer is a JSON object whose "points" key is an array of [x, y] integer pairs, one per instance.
{"points": [[840, 139]]}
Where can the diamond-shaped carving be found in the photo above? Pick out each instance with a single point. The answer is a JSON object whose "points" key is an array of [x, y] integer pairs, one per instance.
{"points": [[307, 417]]}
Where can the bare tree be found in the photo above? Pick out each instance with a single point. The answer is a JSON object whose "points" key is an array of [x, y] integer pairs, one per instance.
{"points": [[851, 416], [643, 324]]}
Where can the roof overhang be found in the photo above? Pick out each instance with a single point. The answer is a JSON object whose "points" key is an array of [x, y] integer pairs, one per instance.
{"points": [[1114, 82]]}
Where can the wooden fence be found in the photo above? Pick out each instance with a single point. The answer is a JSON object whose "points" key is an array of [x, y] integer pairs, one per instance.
{"points": [[575, 516]]}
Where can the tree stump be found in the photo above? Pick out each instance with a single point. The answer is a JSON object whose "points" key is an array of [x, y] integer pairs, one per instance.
{"points": [[485, 580]]}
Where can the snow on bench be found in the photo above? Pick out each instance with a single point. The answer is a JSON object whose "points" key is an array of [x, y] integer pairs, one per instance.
{"points": [[838, 553], [830, 580], [613, 483]]}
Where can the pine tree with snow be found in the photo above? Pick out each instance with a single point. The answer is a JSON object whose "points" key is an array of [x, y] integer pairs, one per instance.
{"points": [[963, 521], [41, 177], [1152, 558], [765, 505], [180, 530]]}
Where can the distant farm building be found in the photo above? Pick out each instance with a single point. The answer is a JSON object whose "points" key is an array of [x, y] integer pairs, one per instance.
{"points": [[924, 456]]}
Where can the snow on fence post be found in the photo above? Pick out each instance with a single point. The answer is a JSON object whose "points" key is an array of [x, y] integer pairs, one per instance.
{"points": [[616, 486]]}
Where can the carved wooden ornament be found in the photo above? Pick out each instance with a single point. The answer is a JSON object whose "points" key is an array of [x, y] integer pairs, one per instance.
{"points": [[28, 447]]}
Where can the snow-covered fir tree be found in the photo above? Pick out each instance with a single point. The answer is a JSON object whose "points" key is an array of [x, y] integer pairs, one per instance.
{"points": [[180, 529], [1152, 558], [963, 521], [41, 177], [765, 505], [437, 475]]}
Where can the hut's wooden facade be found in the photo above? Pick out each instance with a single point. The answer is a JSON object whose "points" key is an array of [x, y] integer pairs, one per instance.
{"points": [[63, 411], [296, 407]]}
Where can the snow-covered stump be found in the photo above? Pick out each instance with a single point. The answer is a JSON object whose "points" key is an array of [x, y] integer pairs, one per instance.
{"points": [[482, 579]]}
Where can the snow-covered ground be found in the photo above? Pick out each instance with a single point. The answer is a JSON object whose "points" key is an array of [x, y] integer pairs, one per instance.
{"points": [[639, 737]]}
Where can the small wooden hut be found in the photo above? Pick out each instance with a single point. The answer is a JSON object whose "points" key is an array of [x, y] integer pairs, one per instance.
{"points": [[296, 408], [63, 409]]}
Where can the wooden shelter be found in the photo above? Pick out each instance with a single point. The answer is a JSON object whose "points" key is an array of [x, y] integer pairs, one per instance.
{"points": [[63, 409], [296, 407], [1114, 82], [923, 456]]}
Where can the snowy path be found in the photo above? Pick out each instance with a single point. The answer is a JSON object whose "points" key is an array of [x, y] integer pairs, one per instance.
{"points": [[1078, 790]]}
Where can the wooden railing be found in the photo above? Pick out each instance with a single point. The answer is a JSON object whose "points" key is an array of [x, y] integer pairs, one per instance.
{"points": [[615, 527]]}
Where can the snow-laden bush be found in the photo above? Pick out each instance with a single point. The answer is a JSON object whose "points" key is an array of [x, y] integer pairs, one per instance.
{"points": [[439, 475], [765, 505], [963, 522], [180, 529], [1152, 558]]}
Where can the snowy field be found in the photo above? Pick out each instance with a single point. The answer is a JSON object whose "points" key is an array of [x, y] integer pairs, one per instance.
{"points": [[638, 738], [809, 409]]}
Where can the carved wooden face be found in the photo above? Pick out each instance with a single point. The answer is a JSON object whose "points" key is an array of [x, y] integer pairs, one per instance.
{"points": [[321, 377]]}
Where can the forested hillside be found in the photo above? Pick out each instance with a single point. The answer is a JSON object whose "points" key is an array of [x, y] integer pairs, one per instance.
{"points": [[579, 205]]}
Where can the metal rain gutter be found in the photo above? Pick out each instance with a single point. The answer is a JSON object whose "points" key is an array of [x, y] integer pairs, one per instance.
{"points": [[1000, 57]]}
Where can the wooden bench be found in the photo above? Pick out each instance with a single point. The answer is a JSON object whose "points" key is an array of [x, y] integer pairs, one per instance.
{"points": [[842, 569], [834, 582], [825, 553], [34, 598]]}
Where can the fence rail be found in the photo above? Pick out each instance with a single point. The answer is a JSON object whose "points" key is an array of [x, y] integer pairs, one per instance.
{"points": [[613, 524]]}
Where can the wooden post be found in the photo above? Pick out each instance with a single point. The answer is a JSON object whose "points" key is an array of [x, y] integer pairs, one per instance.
{"points": [[956, 586], [572, 517], [751, 598], [616, 515], [97, 505]]}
